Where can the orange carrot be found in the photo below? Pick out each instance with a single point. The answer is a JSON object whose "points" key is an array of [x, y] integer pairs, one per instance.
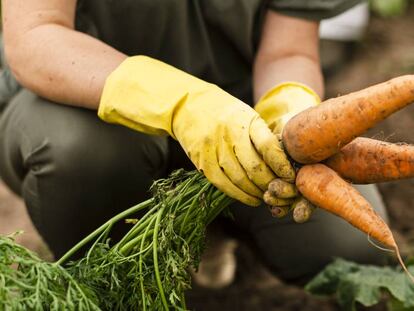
{"points": [[319, 132], [326, 189], [365, 161]]}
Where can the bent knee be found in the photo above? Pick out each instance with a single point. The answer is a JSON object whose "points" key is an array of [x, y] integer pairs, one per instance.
{"points": [[297, 264], [302, 250], [57, 140], [117, 151]]}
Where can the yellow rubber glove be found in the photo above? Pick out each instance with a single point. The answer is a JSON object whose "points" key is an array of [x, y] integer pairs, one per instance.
{"points": [[283, 102], [223, 137], [277, 107]]}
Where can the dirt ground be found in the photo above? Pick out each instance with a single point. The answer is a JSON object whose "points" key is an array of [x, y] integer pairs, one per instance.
{"points": [[387, 51]]}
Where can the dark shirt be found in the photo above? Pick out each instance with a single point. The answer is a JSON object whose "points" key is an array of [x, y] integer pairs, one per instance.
{"points": [[215, 40]]}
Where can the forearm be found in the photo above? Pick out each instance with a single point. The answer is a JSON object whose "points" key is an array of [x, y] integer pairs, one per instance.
{"points": [[288, 51], [62, 64], [299, 68]]}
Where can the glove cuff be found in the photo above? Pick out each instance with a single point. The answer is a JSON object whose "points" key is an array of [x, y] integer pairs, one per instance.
{"points": [[282, 102], [143, 93]]}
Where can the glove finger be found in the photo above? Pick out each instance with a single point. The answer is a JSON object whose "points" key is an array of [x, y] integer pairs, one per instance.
{"points": [[256, 169], [233, 169], [302, 210], [271, 200], [279, 211], [270, 148], [282, 189], [208, 164]]}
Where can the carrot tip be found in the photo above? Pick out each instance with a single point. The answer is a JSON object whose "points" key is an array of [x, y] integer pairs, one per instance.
{"points": [[395, 250], [400, 260]]}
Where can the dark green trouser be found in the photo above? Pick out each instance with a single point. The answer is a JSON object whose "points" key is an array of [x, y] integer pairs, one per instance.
{"points": [[74, 171]]}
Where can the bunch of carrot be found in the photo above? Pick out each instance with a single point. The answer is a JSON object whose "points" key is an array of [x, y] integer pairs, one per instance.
{"points": [[324, 139]]}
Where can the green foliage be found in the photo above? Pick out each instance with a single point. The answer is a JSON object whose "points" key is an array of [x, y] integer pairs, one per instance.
{"points": [[28, 283], [364, 284], [389, 8], [146, 270]]}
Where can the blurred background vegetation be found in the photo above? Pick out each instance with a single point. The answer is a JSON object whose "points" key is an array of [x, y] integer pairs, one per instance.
{"points": [[389, 8]]}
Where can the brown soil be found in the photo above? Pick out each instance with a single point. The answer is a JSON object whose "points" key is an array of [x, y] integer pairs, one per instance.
{"points": [[387, 51]]}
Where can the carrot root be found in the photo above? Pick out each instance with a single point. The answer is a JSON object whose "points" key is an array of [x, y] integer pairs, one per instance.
{"points": [[326, 189], [366, 161], [401, 261], [319, 132]]}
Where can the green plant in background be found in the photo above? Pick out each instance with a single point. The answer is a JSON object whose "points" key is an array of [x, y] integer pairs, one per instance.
{"points": [[389, 8], [365, 284]]}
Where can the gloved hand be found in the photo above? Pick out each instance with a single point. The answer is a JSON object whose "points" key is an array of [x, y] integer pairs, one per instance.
{"points": [[277, 107], [223, 137], [283, 102]]}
